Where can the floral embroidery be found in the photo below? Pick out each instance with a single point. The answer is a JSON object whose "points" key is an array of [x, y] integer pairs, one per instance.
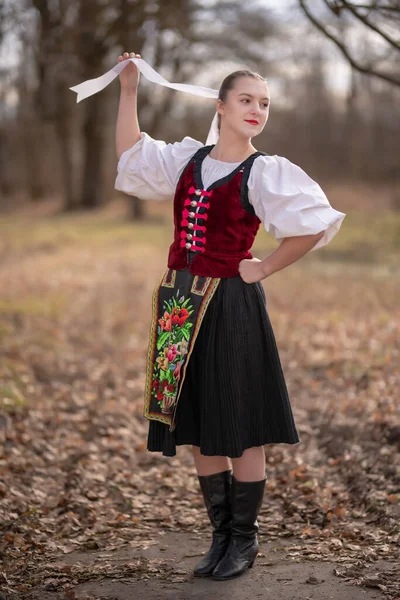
{"points": [[173, 335], [177, 315]]}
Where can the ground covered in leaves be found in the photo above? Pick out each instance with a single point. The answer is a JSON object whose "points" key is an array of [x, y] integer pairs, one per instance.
{"points": [[74, 471]]}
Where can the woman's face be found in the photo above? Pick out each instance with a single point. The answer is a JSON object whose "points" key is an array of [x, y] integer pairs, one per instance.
{"points": [[246, 107]]}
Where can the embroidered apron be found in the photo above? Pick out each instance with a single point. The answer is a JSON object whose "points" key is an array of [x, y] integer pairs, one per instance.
{"points": [[180, 302]]}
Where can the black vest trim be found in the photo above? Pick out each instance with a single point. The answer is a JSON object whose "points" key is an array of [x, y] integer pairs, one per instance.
{"points": [[195, 158], [244, 192]]}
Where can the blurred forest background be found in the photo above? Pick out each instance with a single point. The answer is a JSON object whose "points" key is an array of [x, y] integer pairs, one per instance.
{"points": [[334, 101], [79, 261]]}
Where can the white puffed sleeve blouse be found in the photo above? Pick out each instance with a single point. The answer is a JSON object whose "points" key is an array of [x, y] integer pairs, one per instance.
{"points": [[285, 199]]}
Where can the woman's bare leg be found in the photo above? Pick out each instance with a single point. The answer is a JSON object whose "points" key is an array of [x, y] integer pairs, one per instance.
{"points": [[208, 465], [251, 465], [248, 467]]}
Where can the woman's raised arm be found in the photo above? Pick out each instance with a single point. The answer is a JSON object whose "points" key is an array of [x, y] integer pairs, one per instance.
{"points": [[127, 129]]}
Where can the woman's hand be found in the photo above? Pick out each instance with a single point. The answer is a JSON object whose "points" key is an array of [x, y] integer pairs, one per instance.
{"points": [[129, 77], [251, 270]]}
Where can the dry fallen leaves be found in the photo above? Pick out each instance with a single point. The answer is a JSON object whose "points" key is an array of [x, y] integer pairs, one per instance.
{"points": [[74, 470]]}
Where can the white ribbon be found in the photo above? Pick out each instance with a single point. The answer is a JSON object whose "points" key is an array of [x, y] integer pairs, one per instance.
{"points": [[92, 86]]}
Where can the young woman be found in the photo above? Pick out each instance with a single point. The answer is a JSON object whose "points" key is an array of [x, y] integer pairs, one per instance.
{"points": [[214, 378]]}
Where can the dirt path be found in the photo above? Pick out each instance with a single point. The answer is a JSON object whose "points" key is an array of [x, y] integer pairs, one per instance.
{"points": [[172, 558]]}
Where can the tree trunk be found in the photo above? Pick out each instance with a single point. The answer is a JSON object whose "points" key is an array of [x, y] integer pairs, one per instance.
{"points": [[92, 192], [67, 167], [35, 178], [138, 212]]}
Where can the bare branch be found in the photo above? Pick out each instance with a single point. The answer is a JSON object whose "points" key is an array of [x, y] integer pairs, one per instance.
{"points": [[368, 23], [394, 9], [346, 52]]}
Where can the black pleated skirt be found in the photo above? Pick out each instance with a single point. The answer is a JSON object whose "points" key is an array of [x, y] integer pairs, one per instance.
{"points": [[234, 394]]}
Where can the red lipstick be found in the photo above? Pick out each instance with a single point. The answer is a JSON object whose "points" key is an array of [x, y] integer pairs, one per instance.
{"points": [[251, 121]]}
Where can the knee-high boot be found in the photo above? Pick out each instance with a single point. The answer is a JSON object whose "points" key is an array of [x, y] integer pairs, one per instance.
{"points": [[246, 500], [216, 490]]}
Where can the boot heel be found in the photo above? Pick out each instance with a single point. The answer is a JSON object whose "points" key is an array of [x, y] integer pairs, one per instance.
{"points": [[251, 564]]}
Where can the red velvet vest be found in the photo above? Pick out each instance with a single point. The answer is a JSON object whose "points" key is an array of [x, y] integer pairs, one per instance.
{"points": [[220, 220]]}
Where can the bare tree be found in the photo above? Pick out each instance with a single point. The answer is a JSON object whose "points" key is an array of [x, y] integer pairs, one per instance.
{"points": [[53, 61], [378, 17]]}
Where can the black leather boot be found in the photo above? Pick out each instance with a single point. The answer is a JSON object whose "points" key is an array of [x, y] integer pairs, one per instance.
{"points": [[246, 500], [216, 490]]}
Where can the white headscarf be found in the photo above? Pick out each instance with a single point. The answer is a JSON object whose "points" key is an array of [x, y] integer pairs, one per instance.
{"points": [[92, 86]]}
